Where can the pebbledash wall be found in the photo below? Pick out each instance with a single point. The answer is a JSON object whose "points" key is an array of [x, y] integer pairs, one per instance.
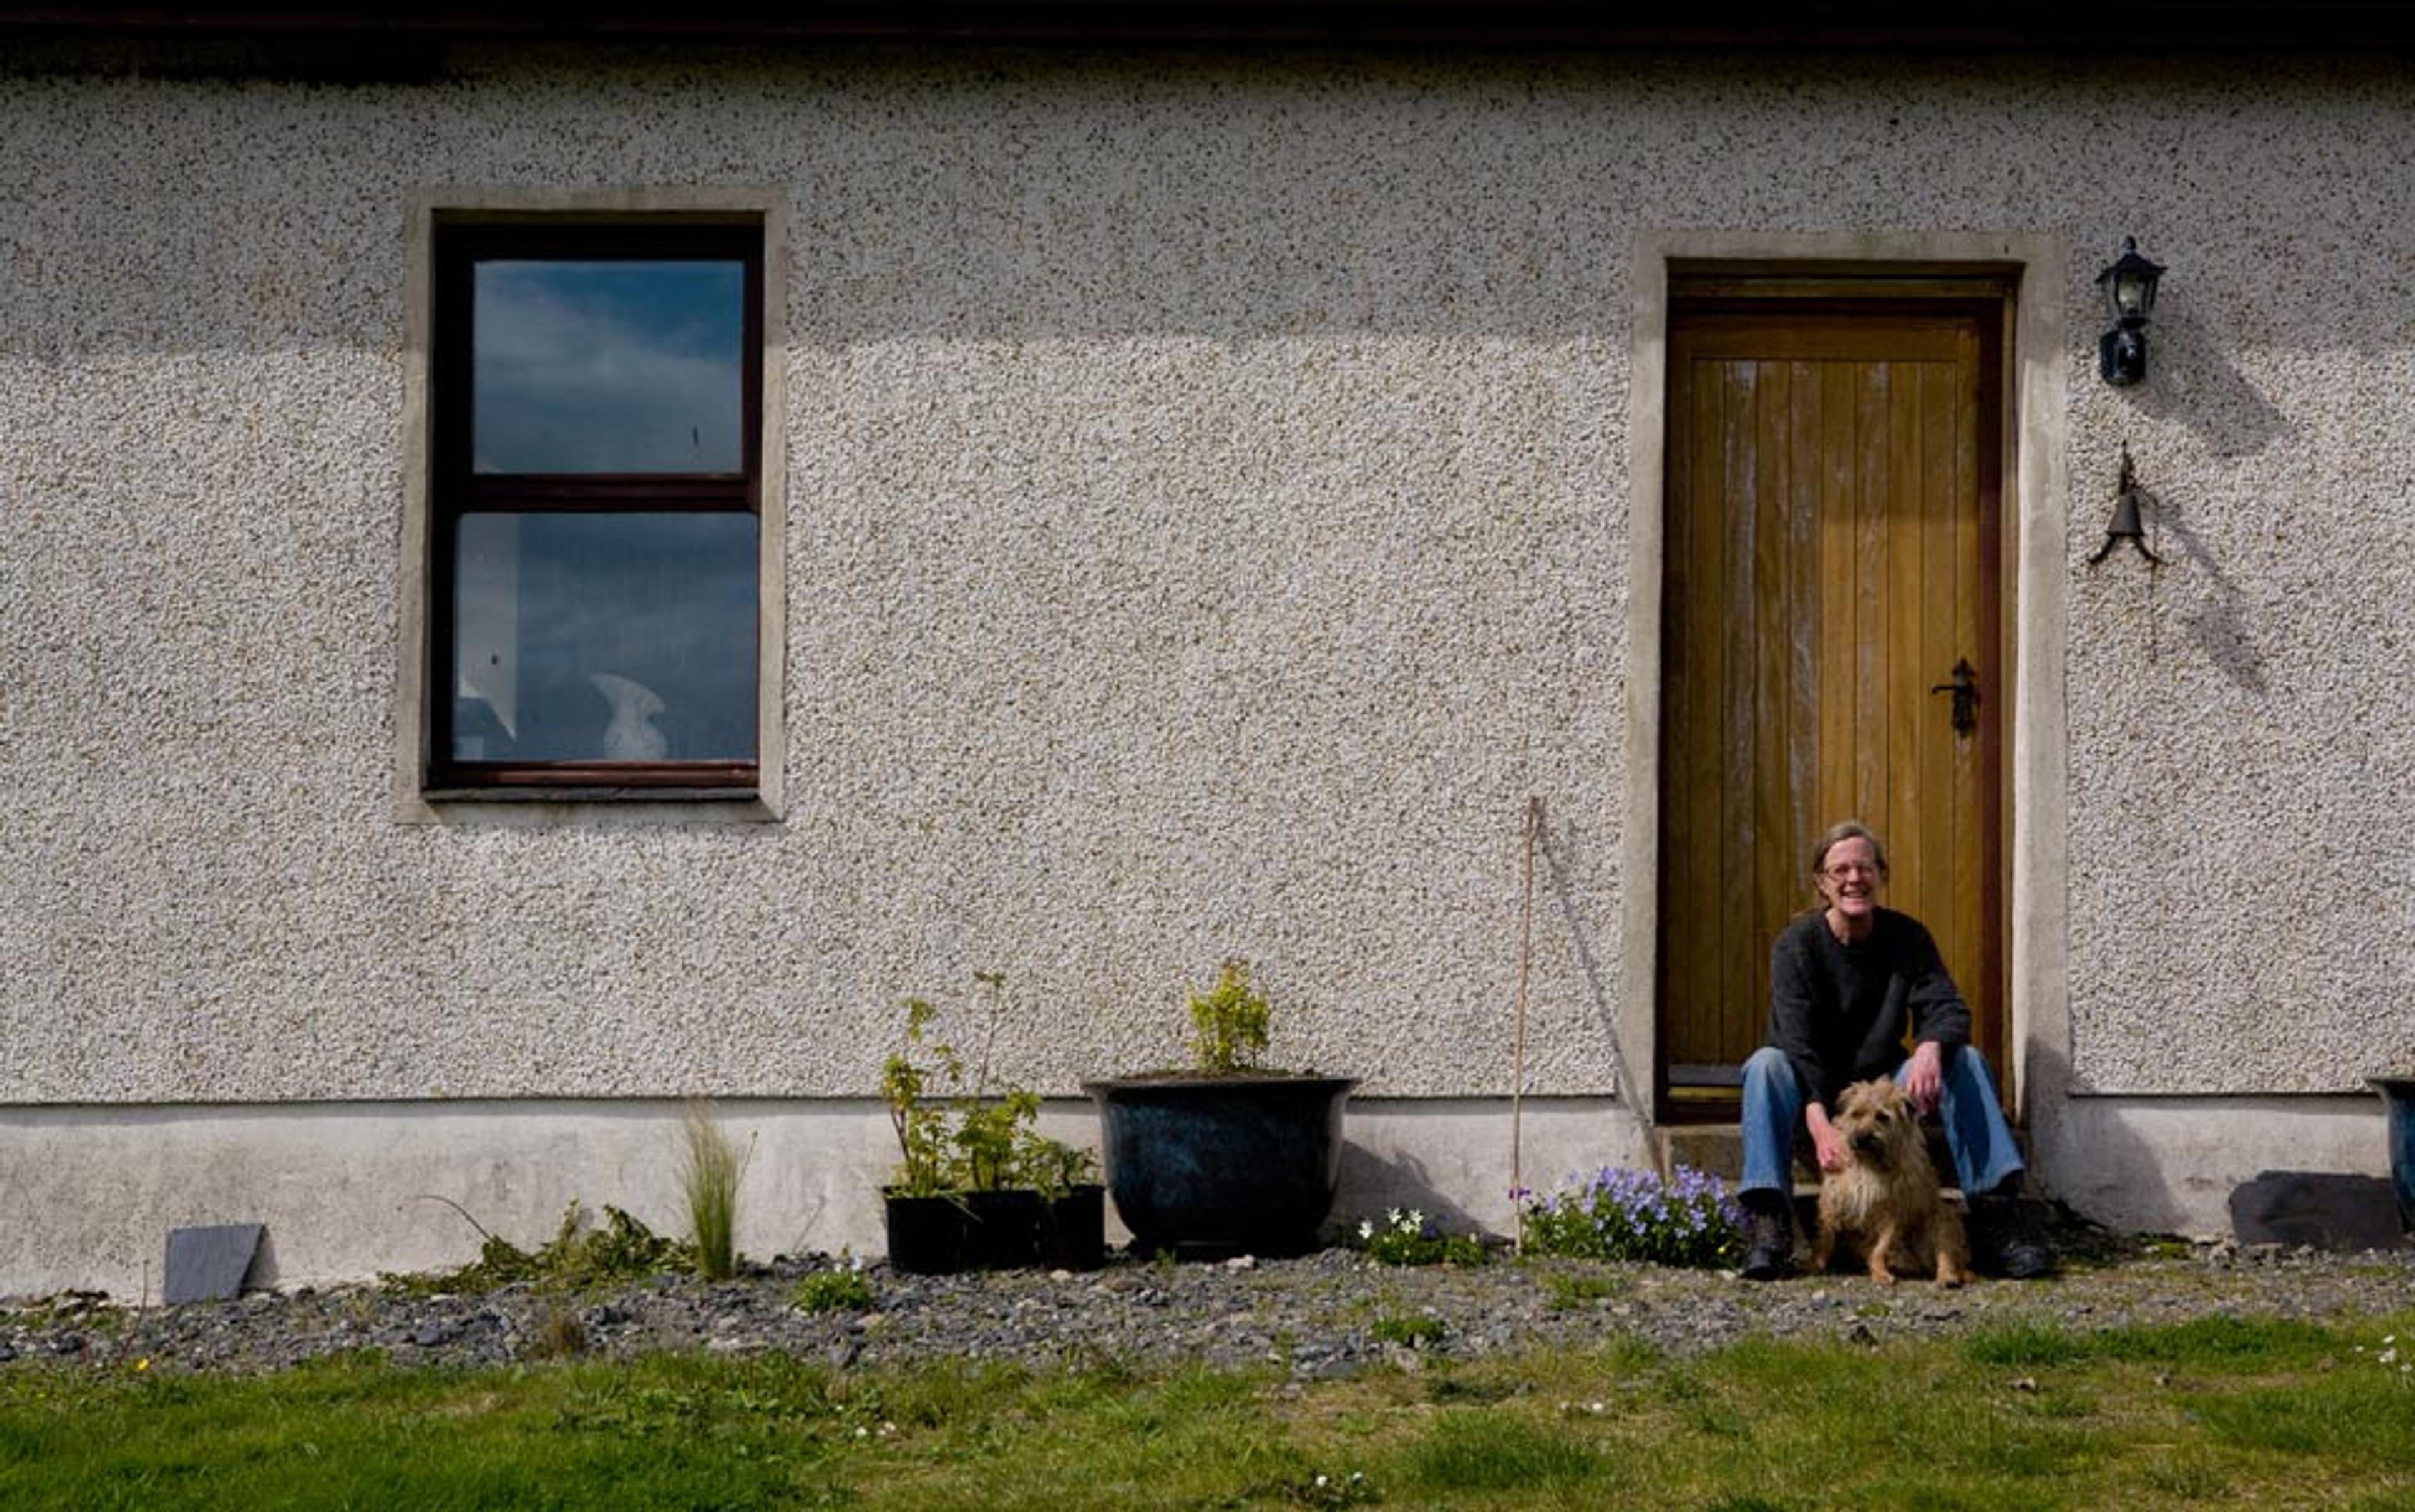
{"points": [[1219, 491]]}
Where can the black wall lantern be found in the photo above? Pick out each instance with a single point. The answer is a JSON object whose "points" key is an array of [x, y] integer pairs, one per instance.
{"points": [[2129, 288]]}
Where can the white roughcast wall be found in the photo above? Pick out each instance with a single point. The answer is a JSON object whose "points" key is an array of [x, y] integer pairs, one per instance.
{"points": [[1207, 524]]}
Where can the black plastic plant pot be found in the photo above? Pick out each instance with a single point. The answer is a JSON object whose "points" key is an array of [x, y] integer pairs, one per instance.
{"points": [[1223, 1165], [928, 1236], [1073, 1230], [1004, 1230], [1001, 1228]]}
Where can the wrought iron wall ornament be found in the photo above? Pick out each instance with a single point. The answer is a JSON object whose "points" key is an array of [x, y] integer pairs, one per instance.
{"points": [[2127, 523]]}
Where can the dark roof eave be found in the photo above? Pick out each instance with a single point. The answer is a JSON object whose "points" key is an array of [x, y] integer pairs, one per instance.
{"points": [[2151, 25]]}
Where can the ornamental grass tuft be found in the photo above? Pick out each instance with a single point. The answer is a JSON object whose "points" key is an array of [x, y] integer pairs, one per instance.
{"points": [[709, 1181], [1614, 1214]]}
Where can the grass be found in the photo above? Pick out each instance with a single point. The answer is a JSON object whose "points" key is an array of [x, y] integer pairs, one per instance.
{"points": [[2223, 1412], [1576, 1291]]}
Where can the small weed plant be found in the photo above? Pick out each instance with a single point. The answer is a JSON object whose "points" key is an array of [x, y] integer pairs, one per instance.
{"points": [[1228, 1023], [1575, 1293], [2389, 1357], [1617, 1214], [1413, 1330], [579, 1255], [560, 1334], [1411, 1238], [832, 1290], [1325, 1490]]}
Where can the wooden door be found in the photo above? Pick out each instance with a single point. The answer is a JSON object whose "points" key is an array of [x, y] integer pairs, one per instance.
{"points": [[1832, 557]]}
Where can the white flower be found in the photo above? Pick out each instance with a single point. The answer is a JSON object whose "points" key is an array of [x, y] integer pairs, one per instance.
{"points": [[1392, 1216], [1417, 1220], [1366, 1229]]}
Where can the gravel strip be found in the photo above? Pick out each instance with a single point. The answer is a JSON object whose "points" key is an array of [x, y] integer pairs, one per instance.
{"points": [[1322, 1315]]}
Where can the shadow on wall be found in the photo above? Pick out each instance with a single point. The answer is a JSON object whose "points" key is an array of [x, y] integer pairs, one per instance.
{"points": [[2093, 1164], [2191, 382], [1373, 1183], [1554, 861], [2217, 620], [263, 1274]]}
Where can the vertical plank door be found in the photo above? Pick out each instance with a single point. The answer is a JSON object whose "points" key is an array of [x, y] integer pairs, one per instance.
{"points": [[1832, 557]]}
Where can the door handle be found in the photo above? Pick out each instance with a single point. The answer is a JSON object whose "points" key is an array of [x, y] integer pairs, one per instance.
{"points": [[1965, 688]]}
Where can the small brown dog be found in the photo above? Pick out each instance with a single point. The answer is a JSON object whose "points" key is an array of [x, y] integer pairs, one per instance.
{"points": [[1885, 1202]]}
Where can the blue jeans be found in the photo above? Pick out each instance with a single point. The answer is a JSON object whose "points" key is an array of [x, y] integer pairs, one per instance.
{"points": [[1983, 1152]]}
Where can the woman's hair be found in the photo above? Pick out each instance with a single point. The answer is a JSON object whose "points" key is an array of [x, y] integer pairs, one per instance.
{"points": [[1837, 834]]}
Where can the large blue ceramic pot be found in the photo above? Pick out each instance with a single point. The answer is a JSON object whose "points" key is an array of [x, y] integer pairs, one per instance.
{"points": [[1223, 1164], [2398, 1100]]}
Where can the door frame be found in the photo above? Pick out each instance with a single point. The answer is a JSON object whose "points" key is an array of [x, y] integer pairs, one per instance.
{"points": [[2036, 510]]}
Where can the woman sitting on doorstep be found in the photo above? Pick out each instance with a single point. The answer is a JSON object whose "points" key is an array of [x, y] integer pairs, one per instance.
{"points": [[1847, 981]]}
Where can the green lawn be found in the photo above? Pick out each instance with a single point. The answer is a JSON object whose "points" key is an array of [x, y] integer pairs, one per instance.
{"points": [[2220, 1412]]}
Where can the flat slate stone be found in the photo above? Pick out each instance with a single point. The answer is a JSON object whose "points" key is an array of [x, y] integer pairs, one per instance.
{"points": [[208, 1264], [2320, 1209]]}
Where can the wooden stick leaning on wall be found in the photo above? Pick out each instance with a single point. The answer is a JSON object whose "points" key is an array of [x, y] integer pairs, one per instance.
{"points": [[1518, 1041]]}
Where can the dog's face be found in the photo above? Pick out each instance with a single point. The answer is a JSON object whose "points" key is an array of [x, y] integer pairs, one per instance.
{"points": [[1878, 1122]]}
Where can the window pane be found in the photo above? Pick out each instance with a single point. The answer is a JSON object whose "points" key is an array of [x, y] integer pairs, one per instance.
{"points": [[603, 637], [615, 367]]}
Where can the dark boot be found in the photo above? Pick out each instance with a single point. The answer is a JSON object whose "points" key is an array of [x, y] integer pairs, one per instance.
{"points": [[2005, 1237], [1769, 1236]]}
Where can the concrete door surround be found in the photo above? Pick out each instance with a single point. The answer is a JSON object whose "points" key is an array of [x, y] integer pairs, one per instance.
{"points": [[2038, 507]]}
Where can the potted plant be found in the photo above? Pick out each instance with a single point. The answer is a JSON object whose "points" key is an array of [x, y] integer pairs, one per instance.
{"points": [[978, 1186], [1226, 1157]]}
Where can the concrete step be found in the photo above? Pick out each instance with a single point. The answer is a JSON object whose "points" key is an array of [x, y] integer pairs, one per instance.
{"points": [[1717, 1149]]}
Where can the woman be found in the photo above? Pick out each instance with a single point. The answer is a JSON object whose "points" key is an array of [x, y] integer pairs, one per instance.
{"points": [[1848, 981]]}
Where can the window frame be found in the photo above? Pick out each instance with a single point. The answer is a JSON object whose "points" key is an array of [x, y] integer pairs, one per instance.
{"points": [[450, 487]]}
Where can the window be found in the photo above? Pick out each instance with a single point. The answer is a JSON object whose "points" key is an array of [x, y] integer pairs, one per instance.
{"points": [[596, 486]]}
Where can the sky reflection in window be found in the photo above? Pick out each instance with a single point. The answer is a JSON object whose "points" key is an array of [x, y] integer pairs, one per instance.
{"points": [[608, 367], [605, 637]]}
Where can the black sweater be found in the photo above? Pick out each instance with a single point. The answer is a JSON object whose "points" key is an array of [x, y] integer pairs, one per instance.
{"points": [[1839, 1012]]}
